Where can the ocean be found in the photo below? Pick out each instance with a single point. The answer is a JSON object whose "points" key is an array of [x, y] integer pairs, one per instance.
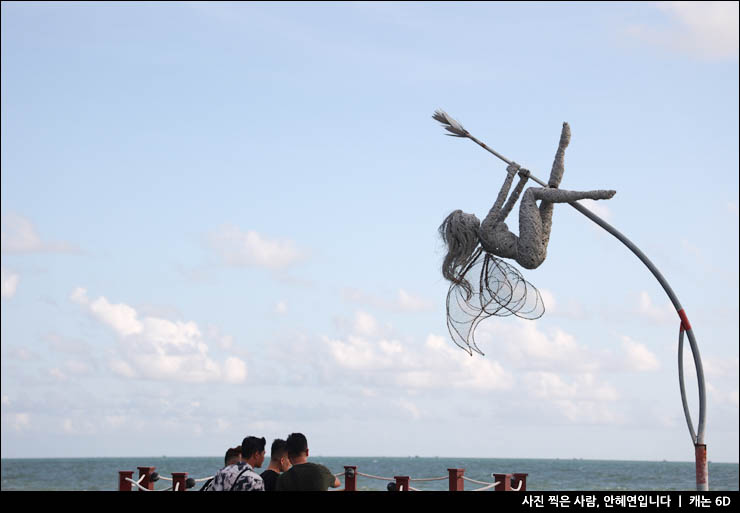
{"points": [[77, 474]]}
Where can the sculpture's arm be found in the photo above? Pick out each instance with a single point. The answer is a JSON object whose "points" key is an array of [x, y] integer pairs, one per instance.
{"points": [[523, 177], [497, 213]]}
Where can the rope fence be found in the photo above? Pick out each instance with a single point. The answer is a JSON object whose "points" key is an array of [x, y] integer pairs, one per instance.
{"points": [[180, 482], [147, 489]]}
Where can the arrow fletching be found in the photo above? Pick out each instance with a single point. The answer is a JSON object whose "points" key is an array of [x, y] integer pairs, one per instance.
{"points": [[450, 124]]}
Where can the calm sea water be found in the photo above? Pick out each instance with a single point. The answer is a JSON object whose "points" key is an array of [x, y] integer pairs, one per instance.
{"points": [[557, 474]]}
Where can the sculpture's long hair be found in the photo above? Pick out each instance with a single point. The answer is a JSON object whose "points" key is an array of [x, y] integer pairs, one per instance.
{"points": [[497, 288], [460, 232]]}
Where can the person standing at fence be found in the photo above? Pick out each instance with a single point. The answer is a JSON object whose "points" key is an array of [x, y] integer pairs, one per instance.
{"points": [[241, 477], [279, 463], [233, 455], [304, 476]]}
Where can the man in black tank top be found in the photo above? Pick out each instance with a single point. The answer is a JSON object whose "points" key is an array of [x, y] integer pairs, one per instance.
{"points": [[304, 476], [279, 463]]}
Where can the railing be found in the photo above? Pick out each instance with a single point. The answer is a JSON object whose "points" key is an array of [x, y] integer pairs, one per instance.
{"points": [[455, 476]]}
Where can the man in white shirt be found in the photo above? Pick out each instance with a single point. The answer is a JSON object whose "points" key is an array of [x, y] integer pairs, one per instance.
{"points": [[241, 477]]}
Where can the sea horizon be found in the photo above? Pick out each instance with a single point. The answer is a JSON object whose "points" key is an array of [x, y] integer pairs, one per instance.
{"points": [[370, 456], [375, 472]]}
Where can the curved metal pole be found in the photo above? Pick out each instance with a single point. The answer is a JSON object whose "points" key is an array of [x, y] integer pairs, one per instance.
{"points": [[697, 438]]}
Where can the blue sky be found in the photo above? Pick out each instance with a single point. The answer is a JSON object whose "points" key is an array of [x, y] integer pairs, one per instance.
{"points": [[219, 219]]}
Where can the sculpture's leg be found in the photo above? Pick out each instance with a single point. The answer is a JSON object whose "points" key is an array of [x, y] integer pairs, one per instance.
{"points": [[546, 211], [531, 251], [534, 230], [563, 196], [556, 174]]}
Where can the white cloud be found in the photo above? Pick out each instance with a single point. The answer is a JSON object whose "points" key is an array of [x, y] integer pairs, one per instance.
{"points": [[551, 386], [122, 369], [79, 427], [21, 353], [159, 349], [222, 425], [411, 303], [580, 397], [706, 30], [20, 421], [546, 358], [281, 307], [734, 398], [525, 346], [225, 342], [638, 356], [115, 421], [9, 283], [599, 208], [403, 301], [590, 412], [571, 309], [410, 408], [235, 370], [720, 367], [76, 367], [721, 375], [57, 374], [548, 298], [458, 369], [19, 236], [661, 314], [547, 368], [366, 392], [122, 318], [357, 353], [249, 248], [66, 345], [436, 364], [365, 324]]}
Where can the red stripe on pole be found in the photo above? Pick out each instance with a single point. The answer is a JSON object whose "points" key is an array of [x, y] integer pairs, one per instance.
{"points": [[685, 325]]}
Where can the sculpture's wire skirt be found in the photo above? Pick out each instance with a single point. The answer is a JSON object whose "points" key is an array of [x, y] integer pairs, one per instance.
{"points": [[495, 288]]}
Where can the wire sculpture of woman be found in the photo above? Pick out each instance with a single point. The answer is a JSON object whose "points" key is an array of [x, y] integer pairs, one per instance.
{"points": [[483, 285]]}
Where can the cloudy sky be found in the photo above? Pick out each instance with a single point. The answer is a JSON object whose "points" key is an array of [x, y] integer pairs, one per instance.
{"points": [[220, 220]]}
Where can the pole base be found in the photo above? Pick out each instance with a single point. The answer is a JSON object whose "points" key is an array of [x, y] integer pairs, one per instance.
{"points": [[702, 470]]}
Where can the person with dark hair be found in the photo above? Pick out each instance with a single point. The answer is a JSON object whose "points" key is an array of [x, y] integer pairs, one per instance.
{"points": [[233, 455], [279, 463], [304, 476], [240, 476]]}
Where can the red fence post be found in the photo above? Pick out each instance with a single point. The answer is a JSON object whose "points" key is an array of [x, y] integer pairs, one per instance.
{"points": [[350, 478], [123, 485], [147, 473], [520, 477], [456, 479], [504, 482], [178, 481], [402, 483]]}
